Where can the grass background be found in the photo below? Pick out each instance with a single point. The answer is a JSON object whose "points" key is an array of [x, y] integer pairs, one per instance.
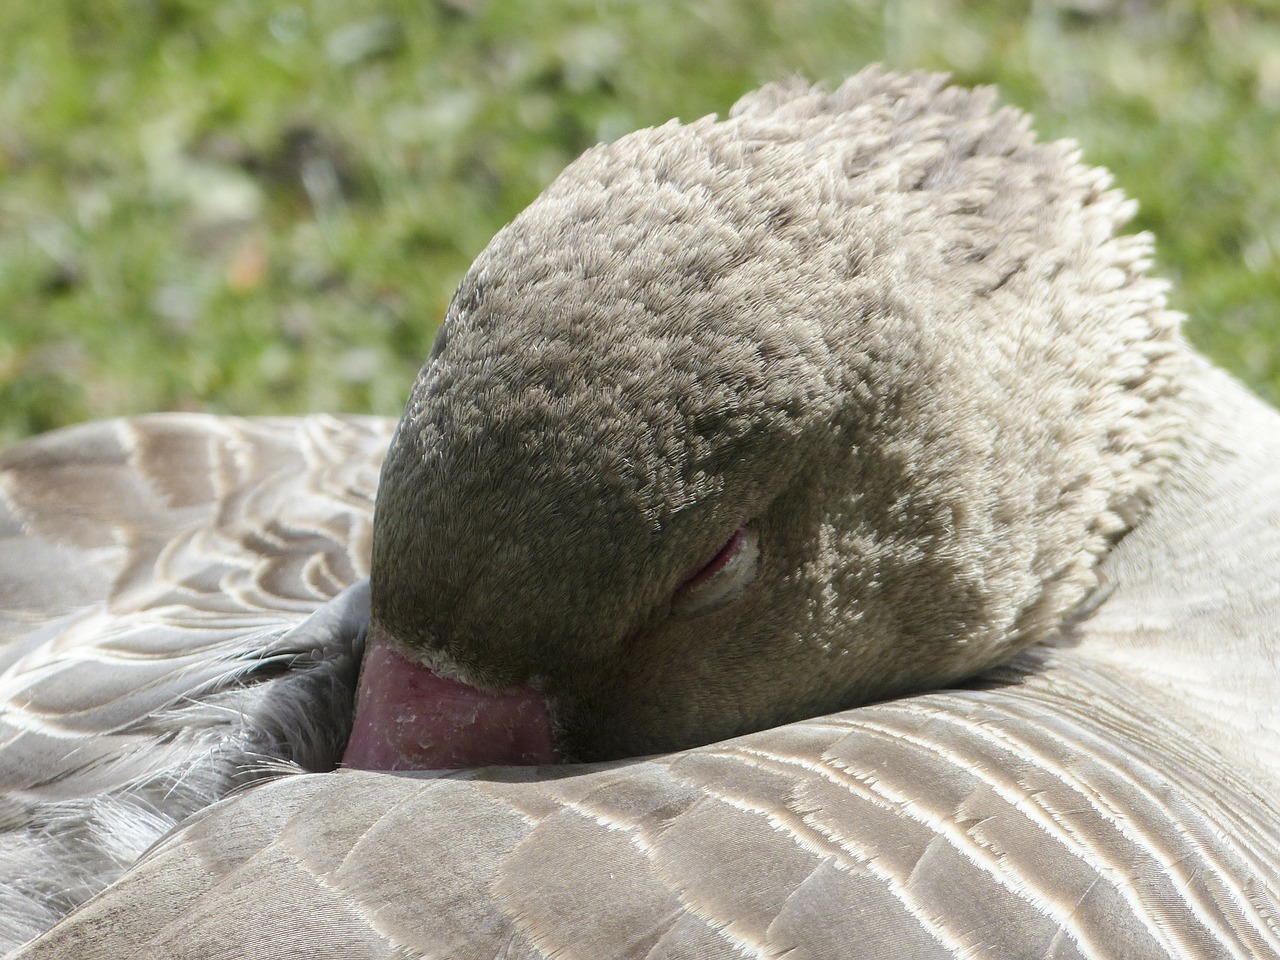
{"points": [[251, 207]]}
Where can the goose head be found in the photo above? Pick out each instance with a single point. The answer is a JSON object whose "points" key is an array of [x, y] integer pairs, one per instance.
{"points": [[749, 420]]}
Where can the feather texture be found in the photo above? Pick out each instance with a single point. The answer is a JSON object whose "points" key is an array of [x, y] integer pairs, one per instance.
{"points": [[183, 599], [156, 572], [1075, 803]]}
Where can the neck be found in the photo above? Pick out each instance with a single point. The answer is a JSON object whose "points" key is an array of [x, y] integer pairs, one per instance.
{"points": [[1191, 595]]}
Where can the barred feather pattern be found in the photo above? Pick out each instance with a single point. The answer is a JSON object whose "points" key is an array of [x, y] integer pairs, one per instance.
{"points": [[996, 824], [156, 572], [1082, 801], [182, 600]]}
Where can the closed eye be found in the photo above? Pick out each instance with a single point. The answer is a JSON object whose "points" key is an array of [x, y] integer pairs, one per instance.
{"points": [[722, 578]]}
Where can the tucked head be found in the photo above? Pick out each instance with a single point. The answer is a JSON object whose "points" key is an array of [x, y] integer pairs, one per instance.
{"points": [[749, 420]]}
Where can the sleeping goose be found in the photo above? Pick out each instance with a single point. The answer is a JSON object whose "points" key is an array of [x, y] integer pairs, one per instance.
{"points": [[809, 536]]}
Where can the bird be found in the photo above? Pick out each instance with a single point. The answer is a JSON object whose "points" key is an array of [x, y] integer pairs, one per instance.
{"points": [[810, 535]]}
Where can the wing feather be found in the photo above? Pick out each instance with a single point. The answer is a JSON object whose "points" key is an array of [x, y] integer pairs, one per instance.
{"points": [[985, 823], [153, 572]]}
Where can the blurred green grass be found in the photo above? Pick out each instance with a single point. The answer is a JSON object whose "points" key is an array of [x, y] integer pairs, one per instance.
{"points": [[251, 208]]}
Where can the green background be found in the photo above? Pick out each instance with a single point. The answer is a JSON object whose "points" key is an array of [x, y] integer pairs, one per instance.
{"points": [[251, 207]]}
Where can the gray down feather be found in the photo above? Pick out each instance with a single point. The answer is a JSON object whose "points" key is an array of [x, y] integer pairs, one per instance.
{"points": [[997, 674]]}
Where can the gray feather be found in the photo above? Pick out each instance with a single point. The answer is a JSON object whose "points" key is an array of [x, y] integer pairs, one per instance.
{"points": [[158, 650], [1083, 516]]}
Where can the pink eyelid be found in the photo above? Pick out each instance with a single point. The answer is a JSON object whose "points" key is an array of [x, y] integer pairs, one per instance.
{"points": [[716, 563]]}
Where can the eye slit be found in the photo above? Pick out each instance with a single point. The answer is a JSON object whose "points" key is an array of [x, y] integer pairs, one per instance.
{"points": [[716, 563], [722, 578]]}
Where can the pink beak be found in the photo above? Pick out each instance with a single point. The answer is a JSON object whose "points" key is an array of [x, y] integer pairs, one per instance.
{"points": [[408, 718]]}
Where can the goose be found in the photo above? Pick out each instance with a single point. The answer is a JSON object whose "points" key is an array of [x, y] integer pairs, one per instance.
{"points": [[809, 536]]}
